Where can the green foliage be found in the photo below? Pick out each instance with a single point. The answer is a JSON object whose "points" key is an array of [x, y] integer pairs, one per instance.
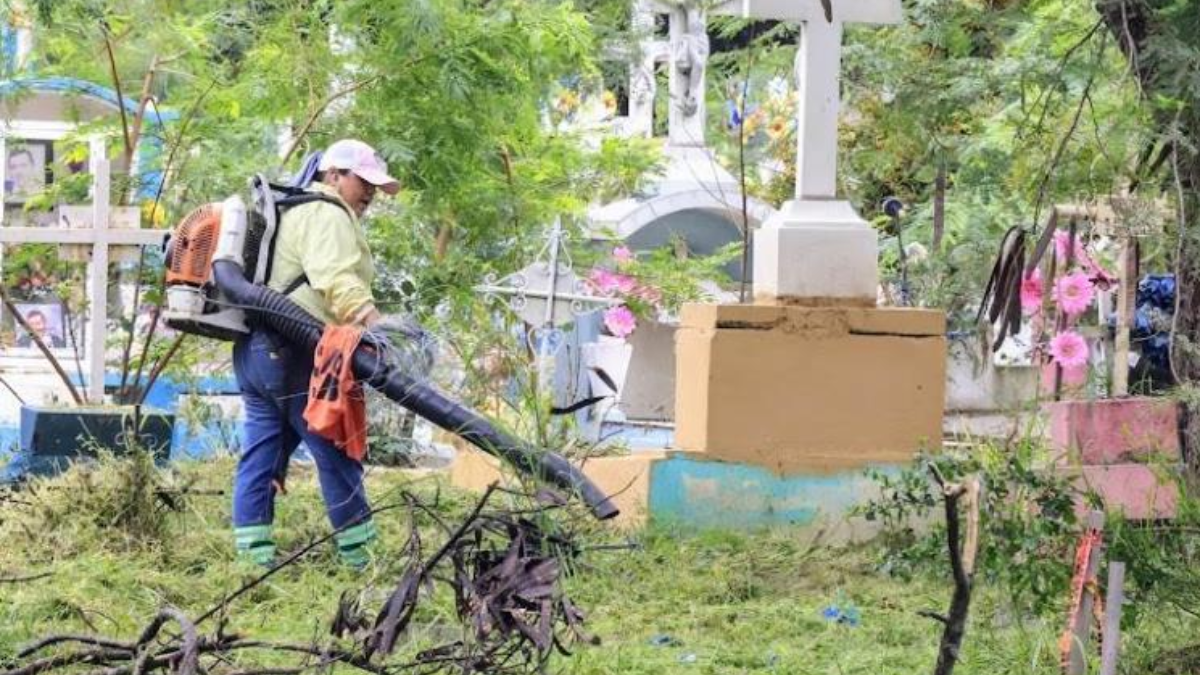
{"points": [[1028, 527]]}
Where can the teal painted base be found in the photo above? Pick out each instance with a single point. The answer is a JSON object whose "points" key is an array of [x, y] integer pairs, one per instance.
{"points": [[705, 494]]}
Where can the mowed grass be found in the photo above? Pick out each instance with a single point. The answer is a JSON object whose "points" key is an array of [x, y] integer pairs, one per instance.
{"points": [[741, 602]]}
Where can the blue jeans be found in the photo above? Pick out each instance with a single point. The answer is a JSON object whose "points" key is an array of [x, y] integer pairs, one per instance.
{"points": [[273, 376]]}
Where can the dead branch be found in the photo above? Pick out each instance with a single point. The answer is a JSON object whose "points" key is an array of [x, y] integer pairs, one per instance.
{"points": [[504, 569], [23, 579], [963, 552]]}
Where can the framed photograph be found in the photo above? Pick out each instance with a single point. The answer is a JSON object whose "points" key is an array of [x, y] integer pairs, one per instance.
{"points": [[27, 169], [44, 318]]}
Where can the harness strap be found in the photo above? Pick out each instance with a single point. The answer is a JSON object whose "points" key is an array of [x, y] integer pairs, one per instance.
{"points": [[291, 201]]}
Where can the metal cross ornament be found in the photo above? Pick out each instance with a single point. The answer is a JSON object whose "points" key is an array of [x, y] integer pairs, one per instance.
{"points": [[547, 293]]}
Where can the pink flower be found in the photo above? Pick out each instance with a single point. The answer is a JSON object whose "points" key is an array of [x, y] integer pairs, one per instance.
{"points": [[622, 254], [1031, 292], [1062, 240], [1074, 293], [648, 294], [619, 321], [1069, 350], [610, 283]]}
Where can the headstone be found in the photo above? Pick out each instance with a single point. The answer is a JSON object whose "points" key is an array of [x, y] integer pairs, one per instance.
{"points": [[689, 63], [812, 377], [546, 294], [45, 115], [817, 248]]}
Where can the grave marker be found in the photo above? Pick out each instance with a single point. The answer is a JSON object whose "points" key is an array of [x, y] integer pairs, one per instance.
{"points": [[817, 249], [100, 237]]}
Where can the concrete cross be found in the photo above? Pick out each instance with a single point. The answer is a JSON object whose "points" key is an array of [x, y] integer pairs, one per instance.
{"points": [[100, 238], [818, 70]]}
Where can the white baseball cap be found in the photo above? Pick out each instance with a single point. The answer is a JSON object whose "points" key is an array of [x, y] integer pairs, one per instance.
{"points": [[362, 160]]}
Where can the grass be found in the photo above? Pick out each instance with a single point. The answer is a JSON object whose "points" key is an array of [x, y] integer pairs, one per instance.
{"points": [[679, 603]]}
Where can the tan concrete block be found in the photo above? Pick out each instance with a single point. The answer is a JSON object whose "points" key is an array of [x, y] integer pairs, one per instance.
{"points": [[812, 392], [831, 320], [626, 479]]}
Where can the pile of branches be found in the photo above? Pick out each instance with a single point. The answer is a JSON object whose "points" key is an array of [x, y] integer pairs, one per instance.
{"points": [[502, 566]]}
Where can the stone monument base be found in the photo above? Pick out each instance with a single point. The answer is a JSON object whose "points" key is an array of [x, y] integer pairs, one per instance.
{"points": [[803, 390], [686, 490]]}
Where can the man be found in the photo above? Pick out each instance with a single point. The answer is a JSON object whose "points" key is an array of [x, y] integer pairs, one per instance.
{"points": [[38, 325], [23, 174], [322, 261]]}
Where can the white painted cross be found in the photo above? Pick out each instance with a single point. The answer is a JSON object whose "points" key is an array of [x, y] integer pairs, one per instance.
{"points": [[818, 70], [100, 237]]}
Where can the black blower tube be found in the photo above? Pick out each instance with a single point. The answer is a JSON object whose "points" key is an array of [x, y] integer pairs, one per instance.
{"points": [[300, 328]]}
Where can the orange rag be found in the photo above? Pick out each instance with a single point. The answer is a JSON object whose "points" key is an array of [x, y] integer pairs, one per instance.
{"points": [[337, 409]]}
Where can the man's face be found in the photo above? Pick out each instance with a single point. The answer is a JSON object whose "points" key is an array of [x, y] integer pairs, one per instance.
{"points": [[37, 324], [21, 172], [355, 191]]}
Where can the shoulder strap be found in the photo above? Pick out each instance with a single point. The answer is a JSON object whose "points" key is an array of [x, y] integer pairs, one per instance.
{"points": [[296, 197]]}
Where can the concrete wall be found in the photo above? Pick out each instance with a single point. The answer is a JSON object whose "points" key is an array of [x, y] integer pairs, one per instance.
{"points": [[649, 392], [975, 385]]}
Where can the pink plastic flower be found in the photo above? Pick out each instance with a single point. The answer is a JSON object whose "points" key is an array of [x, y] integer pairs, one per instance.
{"points": [[622, 254], [1032, 290], [1074, 293], [619, 321], [1062, 240], [610, 283], [1069, 350]]}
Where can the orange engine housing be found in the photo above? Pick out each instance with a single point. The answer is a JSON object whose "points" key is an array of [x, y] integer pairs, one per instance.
{"points": [[193, 245]]}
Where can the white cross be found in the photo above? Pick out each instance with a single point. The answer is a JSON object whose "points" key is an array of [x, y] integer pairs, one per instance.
{"points": [[818, 69], [100, 237]]}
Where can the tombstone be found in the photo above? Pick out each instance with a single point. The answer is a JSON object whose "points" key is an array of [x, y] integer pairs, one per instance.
{"points": [[39, 118], [696, 199], [812, 377], [546, 295]]}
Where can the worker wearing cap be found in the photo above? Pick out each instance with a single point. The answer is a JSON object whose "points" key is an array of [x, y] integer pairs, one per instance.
{"points": [[323, 264]]}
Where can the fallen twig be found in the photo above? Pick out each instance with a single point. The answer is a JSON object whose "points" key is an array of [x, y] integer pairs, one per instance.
{"points": [[503, 568], [23, 579]]}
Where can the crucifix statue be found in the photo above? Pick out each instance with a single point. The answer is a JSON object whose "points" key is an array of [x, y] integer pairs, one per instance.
{"points": [[817, 247], [689, 60]]}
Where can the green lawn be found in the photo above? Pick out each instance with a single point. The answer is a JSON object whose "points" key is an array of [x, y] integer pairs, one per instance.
{"points": [[699, 603]]}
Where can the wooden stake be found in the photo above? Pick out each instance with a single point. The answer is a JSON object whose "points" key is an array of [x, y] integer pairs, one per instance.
{"points": [[1111, 637], [1126, 299], [1079, 625]]}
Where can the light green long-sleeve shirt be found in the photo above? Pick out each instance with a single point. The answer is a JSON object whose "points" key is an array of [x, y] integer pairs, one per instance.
{"points": [[326, 243]]}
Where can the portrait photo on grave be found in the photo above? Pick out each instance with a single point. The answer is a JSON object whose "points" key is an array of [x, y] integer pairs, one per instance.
{"points": [[26, 170], [45, 319]]}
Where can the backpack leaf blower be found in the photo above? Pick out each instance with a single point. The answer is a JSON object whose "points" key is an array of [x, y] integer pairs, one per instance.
{"points": [[218, 262]]}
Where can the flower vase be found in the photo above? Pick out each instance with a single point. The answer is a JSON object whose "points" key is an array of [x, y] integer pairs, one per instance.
{"points": [[610, 355]]}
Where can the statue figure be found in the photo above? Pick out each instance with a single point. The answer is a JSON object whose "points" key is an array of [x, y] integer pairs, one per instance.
{"points": [[642, 86], [689, 53]]}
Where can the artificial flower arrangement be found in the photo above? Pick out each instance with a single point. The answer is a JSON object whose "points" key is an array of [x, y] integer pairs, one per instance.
{"points": [[1073, 292], [620, 282], [653, 284]]}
